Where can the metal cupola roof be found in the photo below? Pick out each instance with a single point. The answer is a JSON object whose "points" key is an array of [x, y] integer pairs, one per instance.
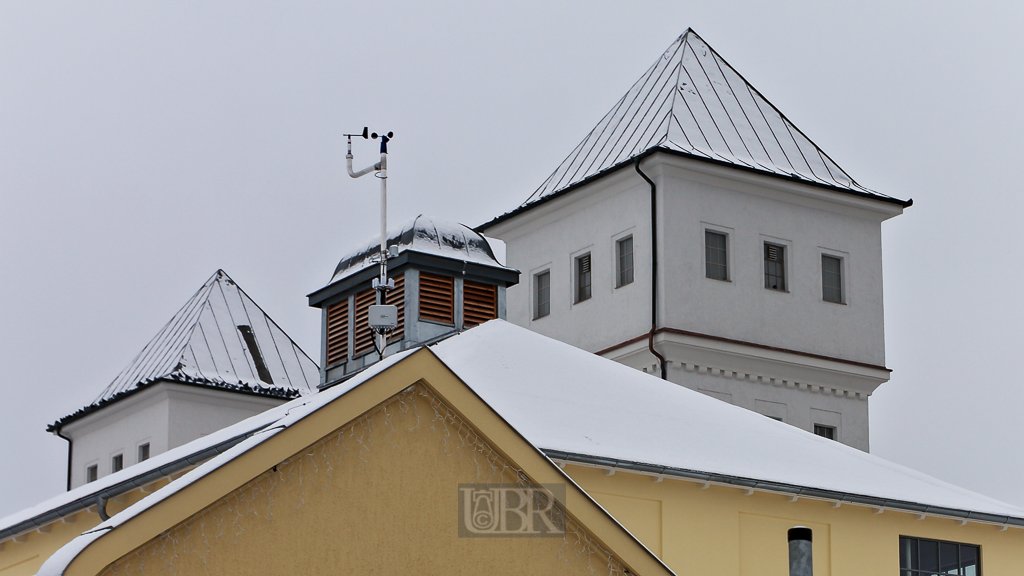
{"points": [[220, 339], [427, 236], [692, 102]]}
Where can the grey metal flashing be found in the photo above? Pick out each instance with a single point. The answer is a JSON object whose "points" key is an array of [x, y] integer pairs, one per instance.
{"points": [[100, 497], [422, 261], [791, 489]]}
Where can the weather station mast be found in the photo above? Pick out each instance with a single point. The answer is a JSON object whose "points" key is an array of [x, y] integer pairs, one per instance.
{"points": [[383, 319]]}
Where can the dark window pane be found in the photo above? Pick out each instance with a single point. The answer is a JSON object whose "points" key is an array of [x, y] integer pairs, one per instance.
{"points": [[929, 555], [949, 558], [583, 278], [542, 297], [625, 250], [775, 267], [969, 559], [715, 256], [831, 279]]}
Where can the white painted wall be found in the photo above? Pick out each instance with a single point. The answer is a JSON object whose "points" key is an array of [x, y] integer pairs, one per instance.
{"points": [[550, 238], [750, 209], [165, 415]]}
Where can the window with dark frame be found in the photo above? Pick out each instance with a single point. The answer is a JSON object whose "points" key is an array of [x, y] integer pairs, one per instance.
{"points": [[716, 256], [91, 473], [831, 279], [825, 431], [541, 294], [583, 276], [775, 267], [117, 463], [624, 261], [923, 557], [143, 452]]}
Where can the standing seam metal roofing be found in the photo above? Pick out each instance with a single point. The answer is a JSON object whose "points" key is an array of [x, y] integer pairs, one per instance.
{"points": [[206, 343], [692, 101]]}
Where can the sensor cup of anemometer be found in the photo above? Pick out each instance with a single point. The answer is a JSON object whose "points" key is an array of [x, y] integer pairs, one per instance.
{"points": [[383, 318]]}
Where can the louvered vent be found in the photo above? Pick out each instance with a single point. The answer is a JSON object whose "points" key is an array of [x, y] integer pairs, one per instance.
{"points": [[437, 298], [772, 253], [364, 336], [585, 264], [396, 297], [337, 332], [479, 303]]}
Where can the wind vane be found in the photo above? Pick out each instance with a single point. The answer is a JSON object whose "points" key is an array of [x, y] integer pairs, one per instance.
{"points": [[383, 318]]}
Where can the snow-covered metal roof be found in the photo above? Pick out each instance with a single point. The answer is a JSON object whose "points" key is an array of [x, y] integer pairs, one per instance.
{"points": [[220, 338], [428, 236], [691, 101]]}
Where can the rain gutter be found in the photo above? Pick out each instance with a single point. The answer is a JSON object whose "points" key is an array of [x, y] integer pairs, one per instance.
{"points": [[791, 489], [101, 497]]}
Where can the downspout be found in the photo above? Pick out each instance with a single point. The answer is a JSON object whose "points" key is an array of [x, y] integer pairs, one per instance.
{"points": [[59, 435], [654, 270]]}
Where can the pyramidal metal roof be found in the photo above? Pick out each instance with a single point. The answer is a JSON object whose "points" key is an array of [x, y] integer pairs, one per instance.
{"points": [[221, 338], [691, 101]]}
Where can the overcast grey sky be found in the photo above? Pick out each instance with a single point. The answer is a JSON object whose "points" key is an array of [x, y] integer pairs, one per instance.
{"points": [[145, 145]]}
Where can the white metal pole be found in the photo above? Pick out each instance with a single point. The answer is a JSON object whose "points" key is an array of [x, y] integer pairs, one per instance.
{"points": [[383, 240]]}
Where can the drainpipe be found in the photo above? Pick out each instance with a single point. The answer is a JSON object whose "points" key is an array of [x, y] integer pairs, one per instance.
{"points": [[654, 270], [59, 435]]}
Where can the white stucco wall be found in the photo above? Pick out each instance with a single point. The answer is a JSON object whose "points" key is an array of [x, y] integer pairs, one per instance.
{"points": [[165, 415], [821, 359], [591, 221], [742, 308]]}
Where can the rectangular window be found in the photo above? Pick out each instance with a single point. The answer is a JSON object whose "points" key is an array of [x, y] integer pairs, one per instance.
{"points": [[716, 255], [541, 294], [774, 267], [624, 261], [831, 279], [91, 473], [825, 431], [583, 277], [143, 452], [921, 557], [117, 463]]}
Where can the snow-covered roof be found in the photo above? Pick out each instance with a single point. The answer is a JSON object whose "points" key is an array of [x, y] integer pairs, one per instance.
{"points": [[427, 236], [562, 398], [220, 338], [691, 101]]}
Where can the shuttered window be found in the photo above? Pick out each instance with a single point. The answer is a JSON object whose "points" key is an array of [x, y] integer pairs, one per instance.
{"points": [[337, 332], [437, 298], [396, 297], [364, 336], [583, 277], [479, 303], [774, 267]]}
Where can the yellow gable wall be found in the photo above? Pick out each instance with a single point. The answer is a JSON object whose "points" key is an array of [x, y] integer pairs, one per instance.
{"points": [[720, 530], [378, 496]]}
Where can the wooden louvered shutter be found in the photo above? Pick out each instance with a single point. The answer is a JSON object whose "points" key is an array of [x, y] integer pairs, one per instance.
{"points": [[364, 336], [396, 297], [337, 332], [479, 303], [437, 298]]}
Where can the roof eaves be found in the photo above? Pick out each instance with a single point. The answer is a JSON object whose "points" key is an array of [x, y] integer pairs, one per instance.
{"points": [[275, 392], [128, 485], [654, 149], [791, 489]]}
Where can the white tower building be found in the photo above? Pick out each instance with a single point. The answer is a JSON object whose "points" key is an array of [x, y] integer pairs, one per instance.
{"points": [[219, 360], [696, 233]]}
